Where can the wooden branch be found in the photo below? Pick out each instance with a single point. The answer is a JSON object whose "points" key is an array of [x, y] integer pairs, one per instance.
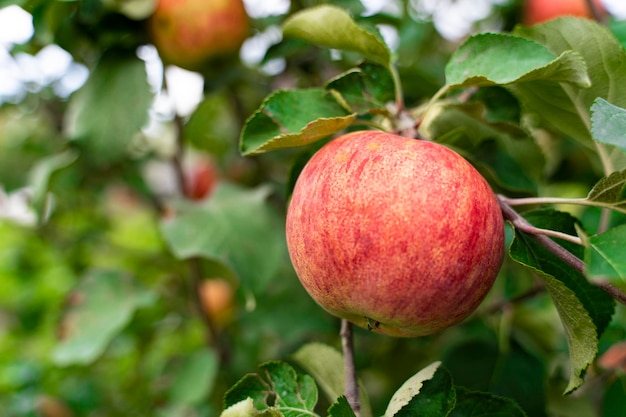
{"points": [[351, 384]]}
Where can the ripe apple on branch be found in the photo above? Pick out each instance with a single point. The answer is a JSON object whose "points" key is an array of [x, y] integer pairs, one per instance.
{"points": [[400, 234]]}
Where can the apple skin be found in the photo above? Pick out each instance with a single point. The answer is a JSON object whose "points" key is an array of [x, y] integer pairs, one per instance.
{"points": [[537, 11], [400, 236], [190, 33]]}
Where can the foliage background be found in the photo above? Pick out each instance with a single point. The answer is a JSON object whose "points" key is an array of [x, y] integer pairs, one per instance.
{"points": [[98, 313]]}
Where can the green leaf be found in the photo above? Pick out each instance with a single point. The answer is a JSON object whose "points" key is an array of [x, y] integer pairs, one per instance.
{"points": [[213, 126], [564, 106], [466, 122], [246, 408], [134, 9], [365, 89], [107, 113], [480, 365], [101, 305], [503, 151], [482, 404], [279, 387], [609, 192], [291, 118], [331, 27], [613, 403], [604, 256], [608, 123], [428, 393], [236, 227], [195, 378], [501, 166], [42, 173], [501, 59], [340, 408], [326, 365], [585, 310]]}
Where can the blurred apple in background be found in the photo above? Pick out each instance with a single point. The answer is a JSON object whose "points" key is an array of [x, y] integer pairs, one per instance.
{"points": [[537, 11], [217, 298], [191, 33], [49, 406], [201, 176]]}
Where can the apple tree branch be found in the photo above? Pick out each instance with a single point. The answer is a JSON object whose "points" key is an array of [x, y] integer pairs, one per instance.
{"points": [[351, 389], [520, 223]]}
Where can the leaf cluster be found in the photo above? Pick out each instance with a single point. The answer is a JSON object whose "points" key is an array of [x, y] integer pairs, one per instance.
{"points": [[279, 390]]}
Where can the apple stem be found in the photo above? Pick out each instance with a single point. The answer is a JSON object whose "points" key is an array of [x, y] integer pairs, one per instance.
{"points": [[351, 390], [523, 225]]}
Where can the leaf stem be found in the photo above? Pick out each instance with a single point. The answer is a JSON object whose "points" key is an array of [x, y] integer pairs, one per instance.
{"points": [[607, 165], [545, 200], [397, 88], [440, 93], [370, 124], [521, 224], [557, 200], [351, 389]]}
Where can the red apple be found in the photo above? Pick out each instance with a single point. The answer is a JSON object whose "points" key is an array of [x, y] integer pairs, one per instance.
{"points": [[189, 33], [537, 11], [400, 236], [200, 179]]}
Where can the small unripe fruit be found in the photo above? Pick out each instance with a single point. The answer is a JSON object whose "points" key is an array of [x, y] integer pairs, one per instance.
{"points": [[400, 236], [190, 33]]}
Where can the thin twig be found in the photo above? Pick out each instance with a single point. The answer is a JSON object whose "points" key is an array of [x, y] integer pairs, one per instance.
{"points": [[547, 200], [607, 163], [177, 159], [194, 264], [595, 11], [351, 384], [530, 229], [531, 293]]}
